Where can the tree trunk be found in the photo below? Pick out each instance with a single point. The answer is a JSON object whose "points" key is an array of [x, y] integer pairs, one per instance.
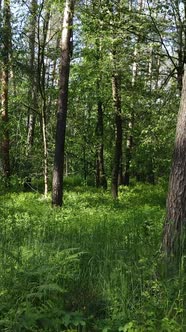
{"points": [[126, 180], [53, 81], [130, 139], [5, 146], [57, 190], [101, 180], [174, 228], [100, 171], [32, 93], [42, 89], [116, 93], [181, 51], [45, 148]]}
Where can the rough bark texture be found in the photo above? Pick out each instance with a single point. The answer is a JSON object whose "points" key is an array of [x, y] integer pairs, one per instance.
{"points": [[174, 228], [5, 146], [181, 51], [101, 180], [57, 190], [118, 134], [100, 170]]}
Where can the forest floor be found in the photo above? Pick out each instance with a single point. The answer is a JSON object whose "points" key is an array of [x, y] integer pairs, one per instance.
{"points": [[94, 265]]}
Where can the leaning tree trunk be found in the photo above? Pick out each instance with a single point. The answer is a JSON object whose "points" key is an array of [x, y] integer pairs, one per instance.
{"points": [[5, 145], [57, 189], [175, 224]]}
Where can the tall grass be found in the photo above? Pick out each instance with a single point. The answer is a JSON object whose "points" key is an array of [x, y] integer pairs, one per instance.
{"points": [[95, 265]]}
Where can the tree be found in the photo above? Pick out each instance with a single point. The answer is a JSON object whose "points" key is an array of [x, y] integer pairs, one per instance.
{"points": [[100, 168], [175, 224], [116, 93], [33, 87], [42, 45], [66, 44], [161, 15], [6, 49], [132, 91]]}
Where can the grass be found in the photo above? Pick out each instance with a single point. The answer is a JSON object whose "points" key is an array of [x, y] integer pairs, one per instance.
{"points": [[95, 265]]}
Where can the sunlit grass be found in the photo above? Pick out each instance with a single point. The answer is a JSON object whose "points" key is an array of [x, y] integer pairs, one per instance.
{"points": [[95, 262]]}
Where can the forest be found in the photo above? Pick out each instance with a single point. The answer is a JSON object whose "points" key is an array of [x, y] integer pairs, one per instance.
{"points": [[92, 165]]}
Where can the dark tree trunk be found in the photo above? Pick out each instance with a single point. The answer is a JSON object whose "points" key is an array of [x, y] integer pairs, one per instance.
{"points": [[175, 224], [100, 171], [180, 70], [101, 180], [181, 33], [118, 133], [57, 190], [5, 146]]}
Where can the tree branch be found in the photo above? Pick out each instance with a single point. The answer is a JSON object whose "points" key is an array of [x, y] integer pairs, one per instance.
{"points": [[160, 36]]}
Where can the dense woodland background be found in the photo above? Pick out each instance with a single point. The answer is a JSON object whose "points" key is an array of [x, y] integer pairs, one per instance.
{"points": [[142, 43], [90, 93]]}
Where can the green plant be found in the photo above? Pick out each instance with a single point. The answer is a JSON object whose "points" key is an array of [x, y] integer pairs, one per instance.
{"points": [[94, 266]]}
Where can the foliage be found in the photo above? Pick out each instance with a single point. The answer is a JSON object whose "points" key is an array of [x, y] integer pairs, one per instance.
{"points": [[95, 266], [150, 98]]}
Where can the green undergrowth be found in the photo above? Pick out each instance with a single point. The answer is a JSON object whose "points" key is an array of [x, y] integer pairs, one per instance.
{"points": [[94, 265]]}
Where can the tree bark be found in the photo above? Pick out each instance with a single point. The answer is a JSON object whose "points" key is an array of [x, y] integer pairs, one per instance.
{"points": [[5, 146], [45, 147], [42, 89], [116, 93], [101, 180], [33, 78], [126, 179], [57, 189], [175, 224], [32, 93]]}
